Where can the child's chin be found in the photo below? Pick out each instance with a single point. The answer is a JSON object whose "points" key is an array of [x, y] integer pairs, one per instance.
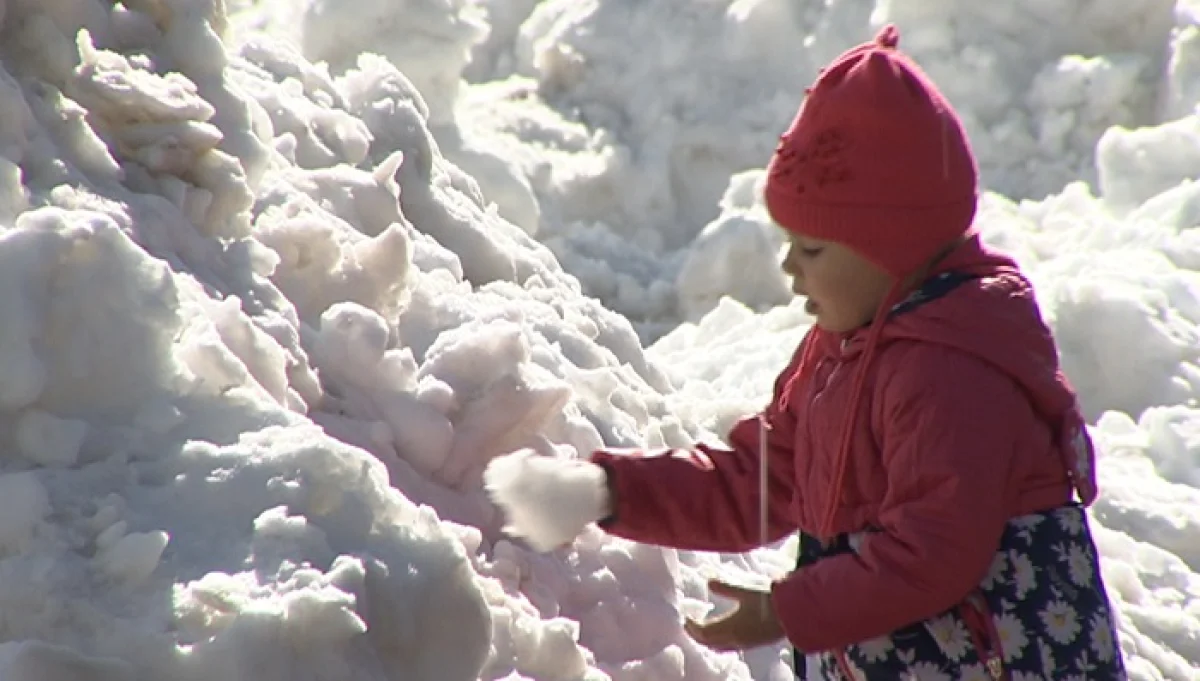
{"points": [[828, 325], [825, 326]]}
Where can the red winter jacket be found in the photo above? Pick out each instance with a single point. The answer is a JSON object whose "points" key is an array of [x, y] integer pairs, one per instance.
{"points": [[963, 422]]}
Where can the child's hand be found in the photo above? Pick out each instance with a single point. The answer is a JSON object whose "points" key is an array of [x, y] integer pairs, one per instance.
{"points": [[547, 500], [750, 625]]}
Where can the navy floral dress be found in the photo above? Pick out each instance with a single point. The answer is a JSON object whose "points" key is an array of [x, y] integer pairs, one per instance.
{"points": [[1041, 614]]}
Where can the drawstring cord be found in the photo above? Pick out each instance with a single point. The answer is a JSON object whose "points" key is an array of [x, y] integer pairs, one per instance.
{"points": [[894, 295], [764, 431], [984, 635], [848, 419], [764, 451]]}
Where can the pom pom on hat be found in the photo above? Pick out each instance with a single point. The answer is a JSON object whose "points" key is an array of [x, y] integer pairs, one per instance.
{"points": [[889, 37]]}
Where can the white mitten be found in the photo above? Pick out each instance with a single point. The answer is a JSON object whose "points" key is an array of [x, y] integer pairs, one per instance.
{"points": [[546, 500]]}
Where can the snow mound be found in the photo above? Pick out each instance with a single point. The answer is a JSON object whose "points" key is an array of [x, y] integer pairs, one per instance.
{"points": [[257, 330], [629, 151], [266, 320]]}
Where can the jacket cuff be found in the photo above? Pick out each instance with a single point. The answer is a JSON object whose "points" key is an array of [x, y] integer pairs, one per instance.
{"points": [[787, 603], [601, 460]]}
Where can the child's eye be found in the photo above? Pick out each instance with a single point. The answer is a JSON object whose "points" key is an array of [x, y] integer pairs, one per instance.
{"points": [[810, 252]]}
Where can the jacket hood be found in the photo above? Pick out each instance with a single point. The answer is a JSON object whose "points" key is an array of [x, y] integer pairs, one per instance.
{"points": [[977, 301]]}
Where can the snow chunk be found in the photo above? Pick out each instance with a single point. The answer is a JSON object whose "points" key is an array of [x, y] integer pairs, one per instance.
{"points": [[26, 505]]}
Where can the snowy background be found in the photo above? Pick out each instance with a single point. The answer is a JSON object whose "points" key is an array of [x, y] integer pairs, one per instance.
{"points": [[278, 279]]}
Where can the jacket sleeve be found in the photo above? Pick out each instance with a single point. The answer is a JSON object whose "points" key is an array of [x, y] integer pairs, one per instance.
{"points": [[707, 498], [947, 446]]}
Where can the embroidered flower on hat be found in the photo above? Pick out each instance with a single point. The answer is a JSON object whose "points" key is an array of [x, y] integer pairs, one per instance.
{"points": [[821, 162], [830, 143]]}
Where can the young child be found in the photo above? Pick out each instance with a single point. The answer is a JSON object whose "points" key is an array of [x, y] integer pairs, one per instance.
{"points": [[922, 440]]}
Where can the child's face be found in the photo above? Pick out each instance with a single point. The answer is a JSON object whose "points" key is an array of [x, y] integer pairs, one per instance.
{"points": [[843, 289]]}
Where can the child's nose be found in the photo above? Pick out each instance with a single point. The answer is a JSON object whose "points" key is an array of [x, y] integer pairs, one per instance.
{"points": [[791, 263], [794, 273]]}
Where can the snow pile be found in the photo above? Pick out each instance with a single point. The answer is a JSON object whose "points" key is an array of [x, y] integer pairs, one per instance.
{"points": [[211, 312], [264, 327], [656, 131]]}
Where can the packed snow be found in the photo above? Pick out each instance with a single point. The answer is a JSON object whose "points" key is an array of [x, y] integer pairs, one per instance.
{"points": [[277, 280]]}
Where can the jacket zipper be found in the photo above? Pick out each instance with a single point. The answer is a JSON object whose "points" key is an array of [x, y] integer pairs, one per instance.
{"points": [[839, 655], [828, 379], [973, 610]]}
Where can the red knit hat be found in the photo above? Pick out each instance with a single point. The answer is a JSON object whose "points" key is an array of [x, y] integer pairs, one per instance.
{"points": [[876, 159]]}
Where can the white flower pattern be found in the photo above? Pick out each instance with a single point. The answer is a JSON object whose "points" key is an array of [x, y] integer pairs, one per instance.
{"points": [[1047, 653], [1024, 574], [1079, 566], [1013, 640], [996, 571], [876, 649], [1025, 526], [1061, 622], [1101, 634], [926, 671], [974, 672], [1052, 624], [951, 635], [1070, 521]]}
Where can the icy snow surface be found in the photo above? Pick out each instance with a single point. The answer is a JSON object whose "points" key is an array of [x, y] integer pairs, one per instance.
{"points": [[277, 280]]}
